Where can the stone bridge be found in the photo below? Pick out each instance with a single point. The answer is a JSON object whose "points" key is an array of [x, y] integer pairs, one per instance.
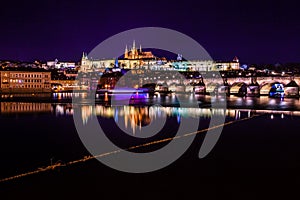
{"points": [[247, 80], [262, 80], [248, 85]]}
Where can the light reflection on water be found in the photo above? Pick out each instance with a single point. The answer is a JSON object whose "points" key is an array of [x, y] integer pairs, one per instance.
{"points": [[135, 117], [262, 102]]}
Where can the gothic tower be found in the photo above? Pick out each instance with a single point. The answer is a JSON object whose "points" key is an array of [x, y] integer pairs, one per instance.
{"points": [[84, 58], [126, 52]]}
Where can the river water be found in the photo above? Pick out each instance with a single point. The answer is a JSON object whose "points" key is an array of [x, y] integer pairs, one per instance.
{"points": [[255, 157]]}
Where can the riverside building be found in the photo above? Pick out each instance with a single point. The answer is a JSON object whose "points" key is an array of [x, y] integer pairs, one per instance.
{"points": [[25, 81]]}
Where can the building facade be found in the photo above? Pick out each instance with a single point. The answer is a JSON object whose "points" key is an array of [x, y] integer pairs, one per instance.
{"points": [[135, 53], [25, 81]]}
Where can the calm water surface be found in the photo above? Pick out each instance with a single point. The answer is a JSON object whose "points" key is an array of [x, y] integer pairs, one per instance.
{"points": [[262, 152]]}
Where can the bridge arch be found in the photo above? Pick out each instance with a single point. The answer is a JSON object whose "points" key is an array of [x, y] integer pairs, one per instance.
{"points": [[291, 89], [239, 89], [273, 89]]}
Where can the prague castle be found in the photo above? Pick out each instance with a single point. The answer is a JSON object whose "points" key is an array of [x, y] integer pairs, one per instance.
{"points": [[136, 58]]}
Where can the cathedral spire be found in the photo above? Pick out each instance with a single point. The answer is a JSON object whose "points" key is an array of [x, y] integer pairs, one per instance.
{"points": [[84, 56], [126, 52], [140, 48], [133, 45]]}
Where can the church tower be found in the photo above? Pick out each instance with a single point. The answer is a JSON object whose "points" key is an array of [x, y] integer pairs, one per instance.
{"points": [[84, 62], [126, 52], [84, 59], [133, 51]]}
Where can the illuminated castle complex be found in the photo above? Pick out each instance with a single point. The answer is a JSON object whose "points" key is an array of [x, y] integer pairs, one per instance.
{"points": [[136, 58], [134, 53]]}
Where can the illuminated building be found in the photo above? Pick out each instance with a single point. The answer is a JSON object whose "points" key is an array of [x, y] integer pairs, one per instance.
{"points": [[229, 65], [60, 65], [134, 53], [66, 85], [90, 65], [135, 58], [25, 81], [195, 65]]}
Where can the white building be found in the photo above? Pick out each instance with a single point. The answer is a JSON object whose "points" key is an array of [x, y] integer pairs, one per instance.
{"points": [[60, 65]]}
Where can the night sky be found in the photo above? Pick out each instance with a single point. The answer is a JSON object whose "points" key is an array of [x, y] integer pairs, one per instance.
{"points": [[256, 32]]}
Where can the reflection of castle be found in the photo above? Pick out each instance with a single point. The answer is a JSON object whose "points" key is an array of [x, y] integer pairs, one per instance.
{"points": [[137, 117], [134, 53]]}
